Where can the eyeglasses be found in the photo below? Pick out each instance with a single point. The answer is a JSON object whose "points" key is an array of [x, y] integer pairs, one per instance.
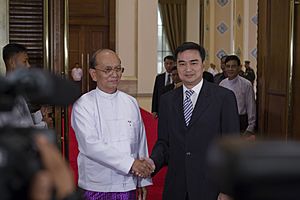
{"points": [[109, 69]]}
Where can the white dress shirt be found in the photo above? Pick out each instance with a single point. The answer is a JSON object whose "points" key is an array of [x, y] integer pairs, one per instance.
{"points": [[166, 78], [110, 134], [197, 88], [244, 94]]}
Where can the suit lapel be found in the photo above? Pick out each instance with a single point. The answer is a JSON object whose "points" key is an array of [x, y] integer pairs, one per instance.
{"points": [[178, 105], [201, 104]]}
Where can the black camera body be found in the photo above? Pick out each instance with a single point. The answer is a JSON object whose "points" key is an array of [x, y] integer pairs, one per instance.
{"points": [[261, 170], [19, 157], [19, 160]]}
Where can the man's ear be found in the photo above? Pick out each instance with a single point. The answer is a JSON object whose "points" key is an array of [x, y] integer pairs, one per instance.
{"points": [[10, 64], [93, 74]]}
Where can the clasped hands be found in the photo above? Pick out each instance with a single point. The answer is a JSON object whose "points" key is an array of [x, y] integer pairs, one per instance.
{"points": [[143, 167]]}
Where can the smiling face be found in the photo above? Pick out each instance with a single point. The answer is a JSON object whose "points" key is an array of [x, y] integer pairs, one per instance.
{"points": [[232, 69], [106, 72], [190, 67]]}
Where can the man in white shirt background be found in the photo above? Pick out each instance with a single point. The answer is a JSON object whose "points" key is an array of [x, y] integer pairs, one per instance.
{"points": [[111, 136], [161, 81], [244, 94]]}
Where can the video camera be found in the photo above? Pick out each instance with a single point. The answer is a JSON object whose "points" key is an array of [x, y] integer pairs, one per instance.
{"points": [[261, 170], [19, 158]]}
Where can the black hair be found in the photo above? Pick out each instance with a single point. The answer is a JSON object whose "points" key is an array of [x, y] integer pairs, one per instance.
{"points": [[169, 57], [233, 57], [190, 46], [11, 50], [224, 56]]}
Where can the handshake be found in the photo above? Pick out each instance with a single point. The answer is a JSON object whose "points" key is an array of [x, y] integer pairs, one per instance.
{"points": [[143, 167]]}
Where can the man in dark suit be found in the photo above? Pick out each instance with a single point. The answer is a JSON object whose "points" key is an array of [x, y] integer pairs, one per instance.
{"points": [[161, 81], [222, 75], [176, 81], [193, 116]]}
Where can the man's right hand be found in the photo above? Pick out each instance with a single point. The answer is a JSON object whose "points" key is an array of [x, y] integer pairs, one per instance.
{"points": [[142, 168]]}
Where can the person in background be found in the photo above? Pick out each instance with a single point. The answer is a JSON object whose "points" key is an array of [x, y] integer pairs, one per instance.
{"points": [[55, 175], [176, 81], [193, 116], [161, 81], [249, 73], [77, 74], [222, 75], [111, 137], [212, 69], [15, 56], [244, 94], [208, 76]]}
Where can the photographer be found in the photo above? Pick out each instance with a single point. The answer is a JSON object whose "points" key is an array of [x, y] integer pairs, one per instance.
{"points": [[23, 114], [55, 175]]}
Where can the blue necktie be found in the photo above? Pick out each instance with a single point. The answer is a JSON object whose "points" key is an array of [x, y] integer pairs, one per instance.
{"points": [[188, 106]]}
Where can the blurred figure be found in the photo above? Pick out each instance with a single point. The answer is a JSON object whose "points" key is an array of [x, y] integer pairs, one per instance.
{"points": [[208, 76], [221, 76], [212, 69], [161, 81], [111, 136], [56, 175], [15, 56], [176, 81], [77, 72], [77, 75], [249, 73]]}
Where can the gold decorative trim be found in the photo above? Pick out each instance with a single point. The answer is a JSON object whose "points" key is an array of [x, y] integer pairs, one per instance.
{"points": [[66, 38], [129, 78], [144, 95], [46, 36], [290, 67]]}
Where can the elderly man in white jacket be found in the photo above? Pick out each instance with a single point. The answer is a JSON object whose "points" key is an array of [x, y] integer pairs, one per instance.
{"points": [[112, 160]]}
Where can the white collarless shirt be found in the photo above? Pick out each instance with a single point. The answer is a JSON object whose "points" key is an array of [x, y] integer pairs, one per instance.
{"points": [[111, 135]]}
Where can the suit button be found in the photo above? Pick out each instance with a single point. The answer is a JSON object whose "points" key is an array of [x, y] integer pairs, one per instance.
{"points": [[188, 153]]}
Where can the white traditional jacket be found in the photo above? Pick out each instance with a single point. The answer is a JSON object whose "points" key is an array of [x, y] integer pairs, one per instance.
{"points": [[110, 134]]}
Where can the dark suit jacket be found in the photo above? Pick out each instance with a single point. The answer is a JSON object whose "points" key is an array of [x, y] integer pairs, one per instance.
{"points": [[157, 91], [168, 88], [184, 148]]}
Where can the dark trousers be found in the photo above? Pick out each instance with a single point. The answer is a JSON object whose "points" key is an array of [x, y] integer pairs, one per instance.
{"points": [[243, 122]]}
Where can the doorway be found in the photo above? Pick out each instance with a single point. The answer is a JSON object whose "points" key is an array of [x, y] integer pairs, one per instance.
{"points": [[91, 27]]}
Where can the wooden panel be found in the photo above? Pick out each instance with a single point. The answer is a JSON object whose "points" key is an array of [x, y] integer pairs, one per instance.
{"points": [[76, 48], [273, 65], [26, 27], [276, 117], [296, 79], [84, 41], [278, 48], [97, 12], [261, 63]]}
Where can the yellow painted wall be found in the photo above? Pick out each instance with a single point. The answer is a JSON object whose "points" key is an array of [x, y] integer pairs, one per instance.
{"points": [[230, 28]]}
